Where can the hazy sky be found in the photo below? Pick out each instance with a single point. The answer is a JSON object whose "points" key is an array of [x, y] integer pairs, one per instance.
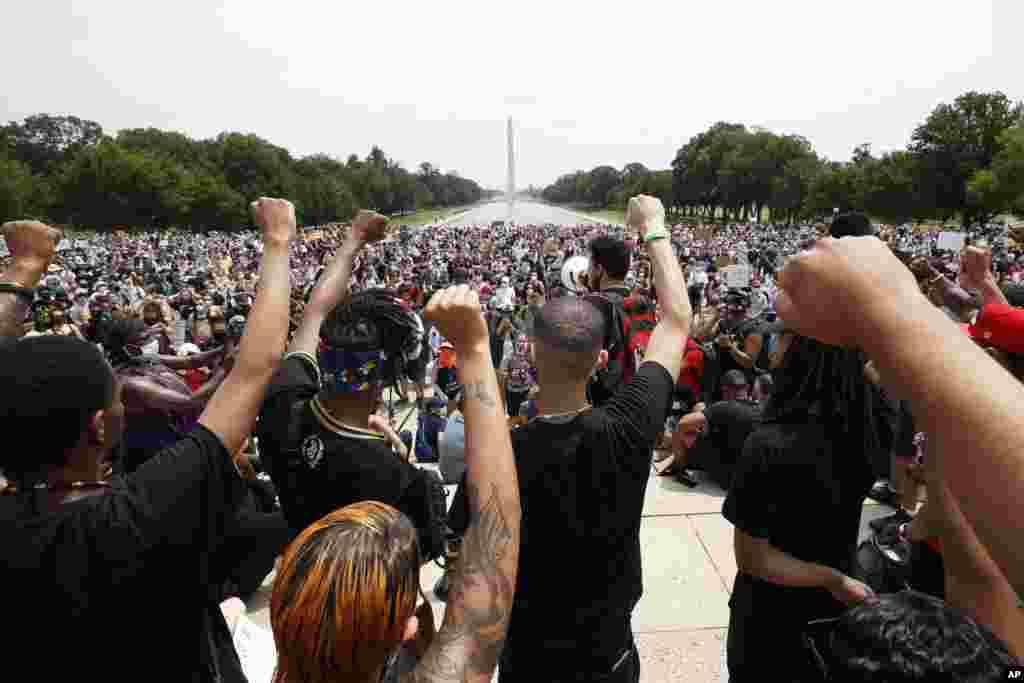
{"points": [[587, 82]]}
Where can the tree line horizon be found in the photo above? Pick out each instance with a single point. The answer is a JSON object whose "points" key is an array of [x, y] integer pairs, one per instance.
{"points": [[67, 171], [964, 162]]}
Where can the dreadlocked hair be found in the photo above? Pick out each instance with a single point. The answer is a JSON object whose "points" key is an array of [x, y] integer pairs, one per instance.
{"points": [[377, 320], [828, 382], [117, 335]]}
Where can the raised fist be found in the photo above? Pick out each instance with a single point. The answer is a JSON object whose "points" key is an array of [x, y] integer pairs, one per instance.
{"points": [[32, 245], [975, 266], [369, 227], [646, 215], [456, 312], [831, 291], [276, 218]]}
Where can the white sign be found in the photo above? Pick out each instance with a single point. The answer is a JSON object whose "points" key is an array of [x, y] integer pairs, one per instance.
{"points": [[951, 241], [737, 276]]}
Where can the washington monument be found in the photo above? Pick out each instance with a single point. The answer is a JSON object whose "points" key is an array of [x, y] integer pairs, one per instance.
{"points": [[511, 189]]}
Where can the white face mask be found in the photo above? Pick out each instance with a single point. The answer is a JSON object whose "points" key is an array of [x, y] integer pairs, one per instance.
{"points": [[152, 347]]}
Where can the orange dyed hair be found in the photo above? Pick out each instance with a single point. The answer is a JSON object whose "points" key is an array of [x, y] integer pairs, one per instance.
{"points": [[345, 590]]}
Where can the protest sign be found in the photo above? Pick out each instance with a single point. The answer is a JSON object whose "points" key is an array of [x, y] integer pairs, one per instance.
{"points": [[951, 241]]}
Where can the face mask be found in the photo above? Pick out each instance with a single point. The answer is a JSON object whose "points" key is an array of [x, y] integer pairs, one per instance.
{"points": [[151, 348]]}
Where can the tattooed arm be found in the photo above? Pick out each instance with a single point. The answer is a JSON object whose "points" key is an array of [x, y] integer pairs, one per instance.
{"points": [[31, 245], [483, 578]]}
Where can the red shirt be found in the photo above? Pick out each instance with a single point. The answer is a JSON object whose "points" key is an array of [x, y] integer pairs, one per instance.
{"points": [[693, 367]]}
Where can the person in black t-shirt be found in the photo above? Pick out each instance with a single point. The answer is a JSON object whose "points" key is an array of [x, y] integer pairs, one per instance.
{"points": [[322, 442], [723, 429], [84, 555], [738, 337], [796, 504], [583, 473], [605, 278]]}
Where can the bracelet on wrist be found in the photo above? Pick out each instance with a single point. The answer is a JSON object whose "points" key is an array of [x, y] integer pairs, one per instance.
{"points": [[26, 293]]}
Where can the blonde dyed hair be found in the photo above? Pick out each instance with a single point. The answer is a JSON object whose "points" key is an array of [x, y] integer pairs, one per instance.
{"points": [[343, 594]]}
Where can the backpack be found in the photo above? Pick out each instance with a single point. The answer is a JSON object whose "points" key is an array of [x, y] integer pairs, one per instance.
{"points": [[877, 567], [710, 380], [621, 364]]}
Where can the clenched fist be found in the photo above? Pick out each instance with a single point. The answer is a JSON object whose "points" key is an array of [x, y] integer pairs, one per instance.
{"points": [[369, 227], [975, 267], [276, 217], [646, 215], [833, 291], [32, 245], [456, 312]]}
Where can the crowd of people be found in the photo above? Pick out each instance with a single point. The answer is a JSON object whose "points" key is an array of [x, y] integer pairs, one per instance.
{"points": [[197, 408]]}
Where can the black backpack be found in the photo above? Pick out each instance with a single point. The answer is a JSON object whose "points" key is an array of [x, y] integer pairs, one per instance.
{"points": [[712, 377], [879, 568], [621, 364]]}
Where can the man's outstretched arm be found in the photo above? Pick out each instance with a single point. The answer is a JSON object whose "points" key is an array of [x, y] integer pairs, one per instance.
{"points": [[335, 282], [469, 643], [668, 340]]}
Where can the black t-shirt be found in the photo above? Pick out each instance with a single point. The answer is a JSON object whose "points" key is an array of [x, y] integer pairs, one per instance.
{"points": [[729, 423], [319, 464], [132, 570], [582, 486], [738, 331], [802, 489]]}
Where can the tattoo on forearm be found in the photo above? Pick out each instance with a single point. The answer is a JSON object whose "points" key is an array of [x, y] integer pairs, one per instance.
{"points": [[13, 310], [479, 601], [480, 392]]}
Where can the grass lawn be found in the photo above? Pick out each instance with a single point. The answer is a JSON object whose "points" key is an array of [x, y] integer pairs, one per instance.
{"points": [[610, 215]]}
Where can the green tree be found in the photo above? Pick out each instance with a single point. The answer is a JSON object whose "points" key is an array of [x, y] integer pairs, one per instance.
{"points": [[43, 141], [16, 190], [107, 186], [955, 142], [1001, 187]]}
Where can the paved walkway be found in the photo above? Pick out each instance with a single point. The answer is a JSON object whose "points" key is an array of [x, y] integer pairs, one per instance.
{"points": [[688, 567]]}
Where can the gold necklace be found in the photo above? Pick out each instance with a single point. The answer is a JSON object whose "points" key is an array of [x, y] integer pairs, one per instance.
{"points": [[567, 413]]}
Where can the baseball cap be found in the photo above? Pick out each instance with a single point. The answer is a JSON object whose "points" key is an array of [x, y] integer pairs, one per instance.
{"points": [[1001, 326]]}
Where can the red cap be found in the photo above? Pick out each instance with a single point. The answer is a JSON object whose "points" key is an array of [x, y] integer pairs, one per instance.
{"points": [[1001, 326]]}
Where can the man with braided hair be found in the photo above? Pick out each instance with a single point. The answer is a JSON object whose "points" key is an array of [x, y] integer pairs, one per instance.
{"points": [[324, 444]]}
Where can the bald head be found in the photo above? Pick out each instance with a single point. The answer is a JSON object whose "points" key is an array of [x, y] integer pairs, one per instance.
{"points": [[570, 324], [568, 335]]}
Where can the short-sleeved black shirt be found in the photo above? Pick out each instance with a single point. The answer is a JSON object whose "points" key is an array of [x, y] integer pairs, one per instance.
{"points": [[319, 464], [729, 424], [132, 570], [802, 489], [582, 486]]}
